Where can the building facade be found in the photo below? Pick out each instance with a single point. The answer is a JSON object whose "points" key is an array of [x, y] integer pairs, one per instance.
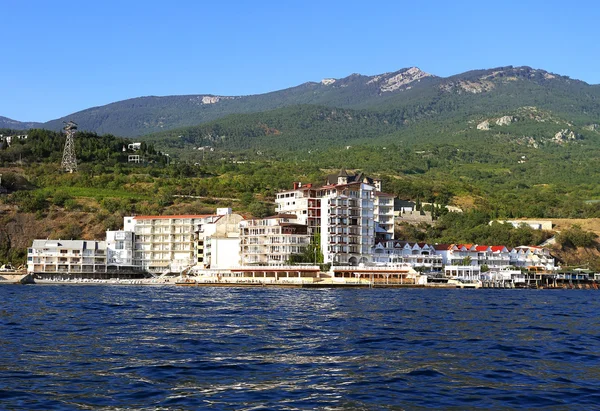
{"points": [[302, 201], [272, 240], [495, 257], [349, 213], [66, 257], [166, 243], [120, 248], [347, 223], [383, 212], [173, 243], [403, 252]]}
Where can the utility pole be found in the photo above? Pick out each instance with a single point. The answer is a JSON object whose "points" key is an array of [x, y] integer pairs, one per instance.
{"points": [[69, 161]]}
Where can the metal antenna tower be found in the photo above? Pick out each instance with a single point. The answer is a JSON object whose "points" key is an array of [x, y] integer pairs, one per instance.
{"points": [[69, 162]]}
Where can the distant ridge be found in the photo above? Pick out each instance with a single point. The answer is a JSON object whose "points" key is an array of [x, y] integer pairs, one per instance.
{"points": [[409, 89], [6, 122]]}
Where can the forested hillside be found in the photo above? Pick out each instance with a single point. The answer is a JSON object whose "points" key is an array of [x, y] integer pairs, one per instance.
{"points": [[408, 94], [501, 143]]}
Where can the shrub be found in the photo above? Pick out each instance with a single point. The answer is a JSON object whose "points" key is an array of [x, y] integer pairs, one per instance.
{"points": [[60, 198], [576, 237], [29, 202]]}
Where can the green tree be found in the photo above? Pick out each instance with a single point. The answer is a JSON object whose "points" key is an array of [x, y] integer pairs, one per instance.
{"points": [[60, 198], [576, 237], [259, 209]]}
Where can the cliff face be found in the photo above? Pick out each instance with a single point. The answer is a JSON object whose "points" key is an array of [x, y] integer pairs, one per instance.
{"points": [[18, 230], [585, 257]]}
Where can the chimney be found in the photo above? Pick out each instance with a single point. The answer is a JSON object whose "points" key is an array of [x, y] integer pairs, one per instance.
{"points": [[295, 185]]}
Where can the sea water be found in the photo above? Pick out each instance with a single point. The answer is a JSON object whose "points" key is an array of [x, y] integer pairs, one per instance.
{"points": [[145, 347]]}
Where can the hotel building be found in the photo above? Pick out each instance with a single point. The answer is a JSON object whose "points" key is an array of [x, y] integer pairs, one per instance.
{"points": [[66, 257], [272, 240], [349, 212]]}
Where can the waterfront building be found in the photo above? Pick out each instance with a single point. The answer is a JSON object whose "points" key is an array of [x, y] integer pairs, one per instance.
{"points": [[165, 243], [120, 248], [467, 273], [219, 241], [532, 256], [350, 212], [66, 257], [173, 243], [347, 223], [474, 255], [416, 255], [272, 240], [495, 257]]}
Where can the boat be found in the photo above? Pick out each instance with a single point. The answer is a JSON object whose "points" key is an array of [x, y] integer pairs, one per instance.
{"points": [[464, 283]]}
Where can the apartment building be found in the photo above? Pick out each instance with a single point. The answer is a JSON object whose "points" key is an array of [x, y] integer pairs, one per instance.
{"points": [[383, 213], [302, 201], [350, 212], [120, 248], [495, 257], [272, 240], [347, 223], [51, 257], [532, 256], [166, 243], [219, 241], [403, 252], [173, 243]]}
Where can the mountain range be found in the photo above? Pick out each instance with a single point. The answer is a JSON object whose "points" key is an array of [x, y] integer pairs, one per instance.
{"points": [[391, 100]]}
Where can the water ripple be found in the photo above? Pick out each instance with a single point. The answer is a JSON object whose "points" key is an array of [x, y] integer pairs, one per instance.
{"points": [[109, 347]]}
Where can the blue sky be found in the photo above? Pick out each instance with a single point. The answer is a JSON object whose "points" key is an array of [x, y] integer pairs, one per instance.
{"points": [[64, 56]]}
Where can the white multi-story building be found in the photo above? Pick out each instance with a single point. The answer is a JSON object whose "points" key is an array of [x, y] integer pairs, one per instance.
{"points": [[403, 252], [302, 201], [532, 256], [383, 212], [347, 223], [176, 242], [495, 257], [219, 241], [66, 257], [272, 240], [350, 213], [166, 243], [120, 248]]}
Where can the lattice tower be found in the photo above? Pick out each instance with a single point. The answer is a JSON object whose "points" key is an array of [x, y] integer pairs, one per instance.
{"points": [[69, 161]]}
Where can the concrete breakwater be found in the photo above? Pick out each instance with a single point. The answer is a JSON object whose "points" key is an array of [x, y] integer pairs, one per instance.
{"points": [[16, 278]]}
